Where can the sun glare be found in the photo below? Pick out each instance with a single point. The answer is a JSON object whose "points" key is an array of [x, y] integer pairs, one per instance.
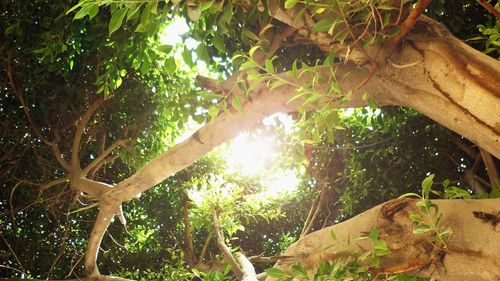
{"points": [[250, 156]]}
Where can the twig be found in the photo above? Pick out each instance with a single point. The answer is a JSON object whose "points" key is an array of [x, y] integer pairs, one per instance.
{"points": [[12, 251], [405, 65], [410, 21]]}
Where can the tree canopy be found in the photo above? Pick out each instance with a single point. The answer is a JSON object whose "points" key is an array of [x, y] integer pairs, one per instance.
{"points": [[119, 110]]}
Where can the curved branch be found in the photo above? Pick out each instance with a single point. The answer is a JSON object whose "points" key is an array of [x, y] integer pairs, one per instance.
{"points": [[80, 127]]}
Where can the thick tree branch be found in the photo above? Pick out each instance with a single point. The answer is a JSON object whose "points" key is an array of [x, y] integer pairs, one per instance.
{"points": [[106, 213], [473, 222]]}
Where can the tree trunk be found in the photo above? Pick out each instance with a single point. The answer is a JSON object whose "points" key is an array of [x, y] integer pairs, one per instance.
{"points": [[472, 252]]}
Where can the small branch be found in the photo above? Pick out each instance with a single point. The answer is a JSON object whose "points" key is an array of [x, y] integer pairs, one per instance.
{"points": [[12, 251], [226, 251], [458, 142], [270, 259], [310, 214], [205, 247], [490, 8], [103, 156], [489, 162], [80, 126], [410, 21], [53, 183], [247, 268]]}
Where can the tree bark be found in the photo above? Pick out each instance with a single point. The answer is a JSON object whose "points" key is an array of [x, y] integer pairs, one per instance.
{"points": [[472, 252]]}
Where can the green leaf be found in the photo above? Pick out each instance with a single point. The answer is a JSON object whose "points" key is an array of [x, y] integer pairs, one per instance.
{"points": [[380, 248], [421, 229], [290, 3], [219, 43], [213, 111], [426, 185], [81, 3], [187, 56], [323, 25], [277, 83], [252, 50], [202, 53], [249, 64], [117, 19], [132, 11], [194, 12], [269, 66], [295, 73], [165, 48], [298, 270], [333, 235], [86, 9], [170, 65], [415, 217], [250, 35], [237, 103], [275, 272], [410, 194], [373, 234]]}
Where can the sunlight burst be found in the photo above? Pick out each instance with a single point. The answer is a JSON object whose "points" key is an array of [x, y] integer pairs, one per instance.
{"points": [[250, 156]]}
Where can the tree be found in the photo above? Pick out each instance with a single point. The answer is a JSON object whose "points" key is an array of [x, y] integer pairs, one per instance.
{"points": [[385, 52]]}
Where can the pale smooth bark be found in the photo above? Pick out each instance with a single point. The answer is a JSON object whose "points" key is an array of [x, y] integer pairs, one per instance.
{"points": [[472, 252]]}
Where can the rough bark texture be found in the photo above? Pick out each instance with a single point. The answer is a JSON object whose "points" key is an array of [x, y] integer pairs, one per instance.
{"points": [[472, 253]]}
